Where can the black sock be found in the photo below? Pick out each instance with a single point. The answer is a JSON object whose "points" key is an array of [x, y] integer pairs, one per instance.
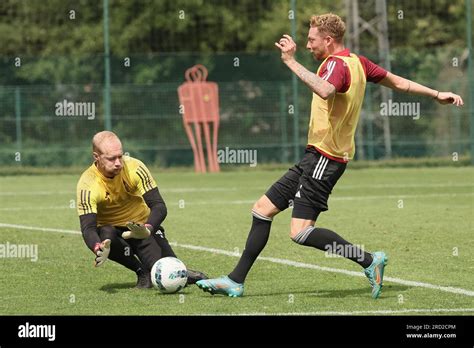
{"points": [[256, 241], [327, 240]]}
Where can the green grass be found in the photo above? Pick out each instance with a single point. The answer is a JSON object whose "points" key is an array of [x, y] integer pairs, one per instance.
{"points": [[437, 216]]}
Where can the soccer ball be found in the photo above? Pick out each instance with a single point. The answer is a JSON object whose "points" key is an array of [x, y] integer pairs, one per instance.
{"points": [[169, 275]]}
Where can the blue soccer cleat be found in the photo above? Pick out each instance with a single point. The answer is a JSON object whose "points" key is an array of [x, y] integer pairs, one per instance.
{"points": [[223, 286], [375, 272]]}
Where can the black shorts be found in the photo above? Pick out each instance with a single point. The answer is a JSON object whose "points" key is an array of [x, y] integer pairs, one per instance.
{"points": [[307, 185]]}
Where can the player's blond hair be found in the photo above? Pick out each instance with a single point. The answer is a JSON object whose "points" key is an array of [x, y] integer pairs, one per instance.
{"points": [[100, 137], [329, 24]]}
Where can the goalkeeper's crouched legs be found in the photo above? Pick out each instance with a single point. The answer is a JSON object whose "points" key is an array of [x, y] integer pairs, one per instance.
{"points": [[120, 251], [167, 251], [160, 238]]}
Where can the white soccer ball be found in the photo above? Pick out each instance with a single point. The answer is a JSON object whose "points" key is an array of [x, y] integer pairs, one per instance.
{"points": [[169, 275]]}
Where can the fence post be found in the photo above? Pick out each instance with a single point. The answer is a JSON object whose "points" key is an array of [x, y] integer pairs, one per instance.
{"points": [[470, 69], [18, 118], [284, 134], [296, 126], [107, 117], [370, 124]]}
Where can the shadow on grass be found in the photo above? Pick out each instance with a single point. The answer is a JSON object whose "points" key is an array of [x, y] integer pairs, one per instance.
{"points": [[115, 287], [389, 291]]}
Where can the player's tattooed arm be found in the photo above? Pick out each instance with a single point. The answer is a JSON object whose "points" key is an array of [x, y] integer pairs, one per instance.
{"points": [[402, 84], [319, 86]]}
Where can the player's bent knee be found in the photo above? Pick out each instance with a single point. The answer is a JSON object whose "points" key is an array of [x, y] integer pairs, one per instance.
{"points": [[301, 236], [265, 207], [258, 206]]}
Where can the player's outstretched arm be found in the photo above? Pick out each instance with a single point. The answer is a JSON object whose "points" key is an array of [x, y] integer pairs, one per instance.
{"points": [[101, 249], [319, 86], [402, 84]]}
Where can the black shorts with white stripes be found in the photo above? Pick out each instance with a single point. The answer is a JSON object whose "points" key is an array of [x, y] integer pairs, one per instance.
{"points": [[307, 185]]}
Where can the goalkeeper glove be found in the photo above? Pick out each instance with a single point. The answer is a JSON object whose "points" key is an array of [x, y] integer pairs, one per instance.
{"points": [[102, 251], [137, 231]]}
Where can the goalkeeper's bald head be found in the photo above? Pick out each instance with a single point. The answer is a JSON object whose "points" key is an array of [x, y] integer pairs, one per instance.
{"points": [[107, 152], [102, 138]]}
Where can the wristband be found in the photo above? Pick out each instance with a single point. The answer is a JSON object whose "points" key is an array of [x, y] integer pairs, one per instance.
{"points": [[96, 247]]}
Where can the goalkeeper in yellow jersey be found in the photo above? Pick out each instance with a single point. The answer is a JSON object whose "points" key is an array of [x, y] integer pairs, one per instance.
{"points": [[121, 211]]}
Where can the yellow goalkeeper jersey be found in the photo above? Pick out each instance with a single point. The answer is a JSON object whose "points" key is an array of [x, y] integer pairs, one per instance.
{"points": [[118, 200], [334, 121]]}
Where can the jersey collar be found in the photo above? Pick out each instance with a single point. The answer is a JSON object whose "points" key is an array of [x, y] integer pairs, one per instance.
{"points": [[102, 176], [345, 53]]}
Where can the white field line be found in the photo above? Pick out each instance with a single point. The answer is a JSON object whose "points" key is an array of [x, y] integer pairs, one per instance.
{"points": [[340, 198], [448, 184], [263, 188], [53, 207], [388, 311], [177, 190], [238, 202], [449, 289], [355, 198], [36, 193], [32, 228]]}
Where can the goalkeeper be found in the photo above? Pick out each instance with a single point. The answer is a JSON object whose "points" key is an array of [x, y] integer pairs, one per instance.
{"points": [[121, 211]]}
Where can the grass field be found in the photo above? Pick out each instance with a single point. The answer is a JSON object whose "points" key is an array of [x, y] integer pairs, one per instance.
{"points": [[423, 218]]}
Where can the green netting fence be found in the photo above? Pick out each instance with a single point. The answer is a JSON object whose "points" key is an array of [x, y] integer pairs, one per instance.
{"points": [[256, 112], [46, 58]]}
